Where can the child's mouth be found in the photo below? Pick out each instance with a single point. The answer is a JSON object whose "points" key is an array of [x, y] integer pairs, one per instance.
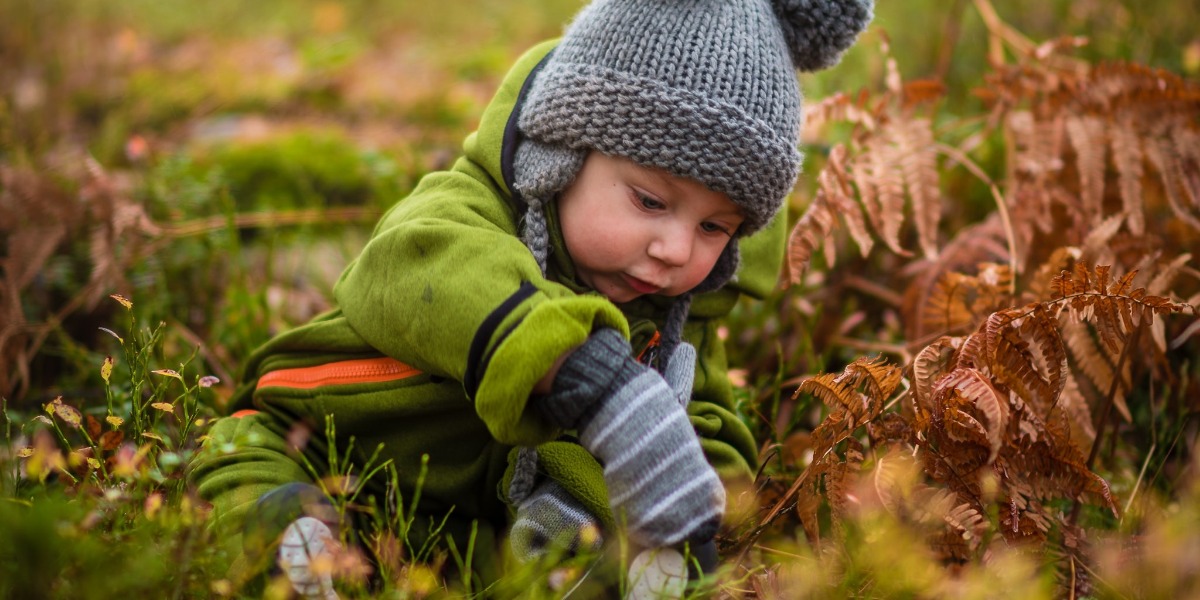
{"points": [[640, 286]]}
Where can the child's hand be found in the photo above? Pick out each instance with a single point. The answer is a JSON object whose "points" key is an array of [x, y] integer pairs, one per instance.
{"points": [[681, 372], [633, 422], [551, 518]]}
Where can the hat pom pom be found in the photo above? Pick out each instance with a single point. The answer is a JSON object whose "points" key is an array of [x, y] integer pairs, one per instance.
{"points": [[818, 31]]}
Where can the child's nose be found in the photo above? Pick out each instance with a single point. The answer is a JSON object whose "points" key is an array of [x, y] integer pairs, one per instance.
{"points": [[672, 246]]}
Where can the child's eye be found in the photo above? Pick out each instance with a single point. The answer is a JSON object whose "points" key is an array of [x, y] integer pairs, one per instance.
{"points": [[650, 203], [710, 227]]}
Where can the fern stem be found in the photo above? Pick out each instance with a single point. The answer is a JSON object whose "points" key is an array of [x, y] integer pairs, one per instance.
{"points": [[1006, 220]]}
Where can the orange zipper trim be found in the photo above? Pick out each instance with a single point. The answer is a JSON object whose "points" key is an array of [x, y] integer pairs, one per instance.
{"points": [[363, 370], [653, 343]]}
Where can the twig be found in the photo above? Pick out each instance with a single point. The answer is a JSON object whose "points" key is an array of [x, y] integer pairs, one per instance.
{"points": [[306, 216], [1138, 484], [871, 288], [869, 346], [1002, 208]]}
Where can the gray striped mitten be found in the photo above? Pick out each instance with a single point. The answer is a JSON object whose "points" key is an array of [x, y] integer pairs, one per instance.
{"points": [[630, 419], [551, 518]]}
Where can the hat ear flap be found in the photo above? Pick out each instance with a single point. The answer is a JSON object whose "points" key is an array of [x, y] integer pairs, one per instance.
{"points": [[723, 271], [540, 172], [818, 31]]}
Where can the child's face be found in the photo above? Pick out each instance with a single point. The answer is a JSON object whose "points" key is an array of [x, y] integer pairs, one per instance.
{"points": [[632, 230]]}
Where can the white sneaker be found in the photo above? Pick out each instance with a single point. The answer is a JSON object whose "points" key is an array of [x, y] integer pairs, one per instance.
{"points": [[657, 574], [308, 541]]}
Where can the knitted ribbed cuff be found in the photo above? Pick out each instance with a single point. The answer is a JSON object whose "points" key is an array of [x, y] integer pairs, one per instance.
{"points": [[589, 373]]}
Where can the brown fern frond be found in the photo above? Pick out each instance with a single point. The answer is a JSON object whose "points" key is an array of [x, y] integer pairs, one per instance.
{"points": [[883, 179], [1179, 184], [1187, 148], [1038, 144], [978, 244], [1046, 283], [1040, 331], [816, 226], [841, 479], [810, 231], [1097, 246], [918, 163], [930, 364], [1087, 136], [946, 310], [1075, 407], [839, 192], [1127, 156], [1095, 364], [836, 390], [978, 396], [1165, 278], [881, 377], [1009, 358], [1053, 466]]}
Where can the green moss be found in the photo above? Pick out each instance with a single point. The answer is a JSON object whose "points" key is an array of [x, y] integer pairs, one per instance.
{"points": [[305, 169]]}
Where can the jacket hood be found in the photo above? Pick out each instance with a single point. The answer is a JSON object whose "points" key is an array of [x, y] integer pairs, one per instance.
{"points": [[493, 145]]}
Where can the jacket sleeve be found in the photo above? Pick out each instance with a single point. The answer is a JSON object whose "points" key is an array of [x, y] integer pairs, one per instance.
{"points": [[446, 285]]}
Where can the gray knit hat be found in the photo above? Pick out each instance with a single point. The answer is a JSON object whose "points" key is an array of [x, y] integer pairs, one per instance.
{"points": [[703, 89]]}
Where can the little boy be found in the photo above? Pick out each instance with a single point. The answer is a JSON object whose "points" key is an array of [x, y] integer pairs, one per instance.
{"points": [[543, 285]]}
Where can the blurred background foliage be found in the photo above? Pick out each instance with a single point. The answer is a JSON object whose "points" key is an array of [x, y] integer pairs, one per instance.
{"points": [[205, 110], [251, 146]]}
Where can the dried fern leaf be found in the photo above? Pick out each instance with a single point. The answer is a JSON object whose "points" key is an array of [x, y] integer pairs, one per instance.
{"points": [[930, 364], [946, 309], [881, 377], [1127, 156], [977, 391], [841, 479], [886, 178], [1074, 406], [1092, 362], [808, 234], [1187, 148], [1097, 246], [918, 162], [1045, 283], [1165, 278], [836, 390], [1176, 182], [1040, 331], [838, 189], [1087, 137], [1010, 360]]}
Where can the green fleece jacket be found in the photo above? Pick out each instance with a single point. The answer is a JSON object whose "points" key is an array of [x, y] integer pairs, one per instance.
{"points": [[446, 286]]}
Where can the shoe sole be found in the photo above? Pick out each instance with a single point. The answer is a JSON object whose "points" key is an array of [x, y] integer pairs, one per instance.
{"points": [[305, 542]]}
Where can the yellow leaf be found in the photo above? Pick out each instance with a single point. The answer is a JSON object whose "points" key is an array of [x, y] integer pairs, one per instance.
{"points": [[115, 421], [93, 463], [25, 452], [164, 406], [68, 414], [106, 368], [123, 300], [168, 373], [153, 436]]}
